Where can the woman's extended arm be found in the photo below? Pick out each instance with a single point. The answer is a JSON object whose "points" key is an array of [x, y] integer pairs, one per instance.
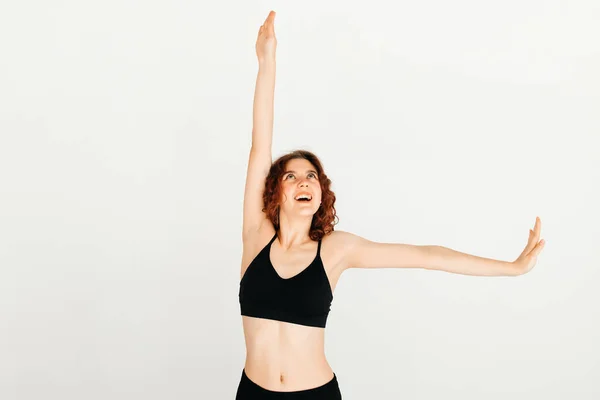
{"points": [[362, 253], [259, 162]]}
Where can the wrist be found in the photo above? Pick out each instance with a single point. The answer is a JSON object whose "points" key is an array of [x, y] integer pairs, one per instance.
{"points": [[516, 268], [266, 64]]}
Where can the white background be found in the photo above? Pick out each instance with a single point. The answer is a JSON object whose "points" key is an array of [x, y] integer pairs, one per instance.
{"points": [[125, 128]]}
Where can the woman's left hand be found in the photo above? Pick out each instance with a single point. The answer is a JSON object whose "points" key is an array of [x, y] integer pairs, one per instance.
{"points": [[526, 261]]}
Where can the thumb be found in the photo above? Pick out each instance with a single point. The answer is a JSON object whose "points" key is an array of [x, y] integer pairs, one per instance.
{"points": [[538, 248]]}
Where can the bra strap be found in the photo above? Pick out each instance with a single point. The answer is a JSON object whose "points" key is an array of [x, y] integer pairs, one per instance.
{"points": [[272, 240]]}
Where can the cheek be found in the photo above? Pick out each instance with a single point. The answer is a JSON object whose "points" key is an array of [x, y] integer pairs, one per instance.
{"points": [[287, 195]]}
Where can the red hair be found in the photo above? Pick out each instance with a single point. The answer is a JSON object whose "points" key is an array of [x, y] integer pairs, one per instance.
{"points": [[325, 218]]}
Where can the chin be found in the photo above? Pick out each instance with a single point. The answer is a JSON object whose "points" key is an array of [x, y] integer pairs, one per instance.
{"points": [[308, 211]]}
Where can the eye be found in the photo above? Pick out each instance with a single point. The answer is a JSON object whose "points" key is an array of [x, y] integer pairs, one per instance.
{"points": [[292, 175]]}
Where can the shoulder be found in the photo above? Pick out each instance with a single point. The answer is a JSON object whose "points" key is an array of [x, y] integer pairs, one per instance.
{"points": [[340, 247], [341, 239]]}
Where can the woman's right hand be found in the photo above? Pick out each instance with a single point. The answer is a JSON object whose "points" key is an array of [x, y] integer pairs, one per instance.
{"points": [[266, 43]]}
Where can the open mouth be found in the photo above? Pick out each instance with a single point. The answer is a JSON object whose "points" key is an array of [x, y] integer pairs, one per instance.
{"points": [[304, 198]]}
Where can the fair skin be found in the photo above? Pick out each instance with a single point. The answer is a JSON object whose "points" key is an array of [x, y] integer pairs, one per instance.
{"points": [[295, 216], [282, 356]]}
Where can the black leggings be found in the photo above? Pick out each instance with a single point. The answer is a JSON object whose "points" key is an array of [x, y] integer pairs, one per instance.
{"points": [[248, 390]]}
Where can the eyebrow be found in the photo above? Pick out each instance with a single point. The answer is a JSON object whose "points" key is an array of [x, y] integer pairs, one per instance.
{"points": [[310, 170]]}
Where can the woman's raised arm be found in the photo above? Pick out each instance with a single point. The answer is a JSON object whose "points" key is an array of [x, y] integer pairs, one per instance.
{"points": [[259, 162]]}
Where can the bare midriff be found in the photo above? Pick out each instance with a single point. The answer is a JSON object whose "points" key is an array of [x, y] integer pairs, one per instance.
{"points": [[285, 357]]}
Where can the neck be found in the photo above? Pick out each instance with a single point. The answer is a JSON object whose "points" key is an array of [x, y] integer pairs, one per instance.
{"points": [[294, 232]]}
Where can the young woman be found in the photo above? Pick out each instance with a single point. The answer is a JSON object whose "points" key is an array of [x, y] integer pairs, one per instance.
{"points": [[292, 258]]}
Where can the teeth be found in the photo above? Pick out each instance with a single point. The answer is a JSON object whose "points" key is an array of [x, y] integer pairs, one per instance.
{"points": [[303, 196]]}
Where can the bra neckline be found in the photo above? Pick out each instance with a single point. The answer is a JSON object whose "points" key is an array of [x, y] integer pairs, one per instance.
{"points": [[299, 273]]}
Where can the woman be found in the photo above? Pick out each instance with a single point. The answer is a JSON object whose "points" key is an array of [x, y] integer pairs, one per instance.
{"points": [[292, 258]]}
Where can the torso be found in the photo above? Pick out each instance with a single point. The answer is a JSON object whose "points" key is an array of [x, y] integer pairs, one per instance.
{"points": [[282, 356]]}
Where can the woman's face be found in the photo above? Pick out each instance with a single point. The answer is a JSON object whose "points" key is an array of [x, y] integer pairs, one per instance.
{"points": [[300, 177]]}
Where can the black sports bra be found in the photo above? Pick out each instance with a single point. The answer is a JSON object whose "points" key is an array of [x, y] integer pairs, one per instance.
{"points": [[303, 299]]}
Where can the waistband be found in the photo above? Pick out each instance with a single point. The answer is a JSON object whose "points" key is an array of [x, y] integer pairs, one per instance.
{"points": [[329, 390]]}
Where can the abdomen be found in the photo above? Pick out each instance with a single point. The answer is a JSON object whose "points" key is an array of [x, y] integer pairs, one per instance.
{"points": [[282, 356]]}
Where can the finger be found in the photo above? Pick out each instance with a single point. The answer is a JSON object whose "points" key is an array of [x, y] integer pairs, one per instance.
{"points": [[270, 20], [538, 248], [531, 242], [533, 236], [267, 20]]}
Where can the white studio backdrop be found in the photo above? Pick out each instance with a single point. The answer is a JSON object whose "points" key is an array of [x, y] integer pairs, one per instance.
{"points": [[125, 128]]}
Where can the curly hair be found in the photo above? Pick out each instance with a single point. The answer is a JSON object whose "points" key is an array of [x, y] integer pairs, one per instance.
{"points": [[325, 218]]}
